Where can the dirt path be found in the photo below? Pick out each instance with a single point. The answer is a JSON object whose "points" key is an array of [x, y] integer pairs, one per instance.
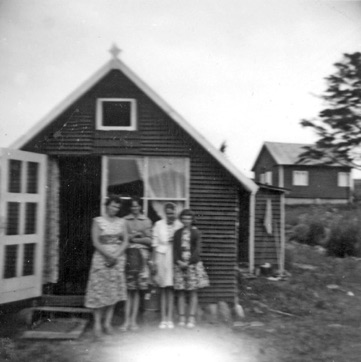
{"points": [[207, 342]]}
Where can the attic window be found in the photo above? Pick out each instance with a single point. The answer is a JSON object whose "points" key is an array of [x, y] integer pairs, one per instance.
{"points": [[118, 114]]}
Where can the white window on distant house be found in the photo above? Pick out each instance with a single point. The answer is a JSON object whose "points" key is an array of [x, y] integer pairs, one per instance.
{"points": [[300, 178], [268, 178], [343, 179], [262, 178], [118, 114]]}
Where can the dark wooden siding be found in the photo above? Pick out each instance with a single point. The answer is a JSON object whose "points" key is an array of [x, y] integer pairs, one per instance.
{"points": [[322, 183], [265, 244], [69, 134], [213, 191], [243, 217], [213, 195]]}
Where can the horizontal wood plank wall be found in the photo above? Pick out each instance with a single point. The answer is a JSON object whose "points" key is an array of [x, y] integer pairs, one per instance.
{"points": [[213, 196], [213, 191], [265, 245], [243, 226], [70, 134]]}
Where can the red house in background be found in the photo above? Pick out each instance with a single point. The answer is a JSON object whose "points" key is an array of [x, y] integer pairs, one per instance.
{"points": [[308, 182]]}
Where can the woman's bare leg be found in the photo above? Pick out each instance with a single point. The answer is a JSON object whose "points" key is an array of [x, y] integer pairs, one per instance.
{"points": [[97, 328], [193, 304], [170, 304], [109, 312], [181, 307], [135, 309], [163, 305], [127, 311]]}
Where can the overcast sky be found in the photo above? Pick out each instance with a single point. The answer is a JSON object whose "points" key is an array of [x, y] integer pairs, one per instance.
{"points": [[243, 72]]}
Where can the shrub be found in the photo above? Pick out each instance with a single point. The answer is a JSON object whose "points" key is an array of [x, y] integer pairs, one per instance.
{"points": [[299, 233], [344, 238], [316, 233]]}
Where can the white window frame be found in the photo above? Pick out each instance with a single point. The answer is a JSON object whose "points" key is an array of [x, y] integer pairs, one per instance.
{"points": [[22, 286], [300, 178], [343, 179], [133, 114], [105, 167], [268, 178]]}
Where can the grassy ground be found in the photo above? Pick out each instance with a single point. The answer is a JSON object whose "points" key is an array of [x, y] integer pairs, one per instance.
{"points": [[322, 299], [314, 315]]}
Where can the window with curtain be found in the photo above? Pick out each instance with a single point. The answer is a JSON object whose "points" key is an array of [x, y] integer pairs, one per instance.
{"points": [[157, 180]]}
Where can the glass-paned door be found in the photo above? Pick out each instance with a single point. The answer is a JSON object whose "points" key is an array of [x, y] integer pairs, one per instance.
{"points": [[22, 215]]}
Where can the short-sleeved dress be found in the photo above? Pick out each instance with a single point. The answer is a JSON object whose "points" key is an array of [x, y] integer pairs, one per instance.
{"points": [[106, 285], [139, 280]]}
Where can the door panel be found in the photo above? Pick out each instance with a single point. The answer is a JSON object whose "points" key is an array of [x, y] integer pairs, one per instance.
{"points": [[22, 220]]}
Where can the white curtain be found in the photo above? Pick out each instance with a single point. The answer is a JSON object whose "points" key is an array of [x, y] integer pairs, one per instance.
{"points": [[166, 179]]}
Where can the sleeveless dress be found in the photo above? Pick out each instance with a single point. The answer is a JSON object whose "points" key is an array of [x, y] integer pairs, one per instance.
{"points": [[106, 285]]}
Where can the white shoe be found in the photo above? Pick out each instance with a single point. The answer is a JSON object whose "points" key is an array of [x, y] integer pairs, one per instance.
{"points": [[191, 322], [170, 325], [163, 325], [182, 321]]}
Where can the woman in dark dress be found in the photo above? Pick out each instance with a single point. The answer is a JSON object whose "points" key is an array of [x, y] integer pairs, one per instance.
{"points": [[189, 273]]}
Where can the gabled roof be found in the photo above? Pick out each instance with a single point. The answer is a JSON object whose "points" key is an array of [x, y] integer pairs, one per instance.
{"points": [[115, 63], [285, 153], [288, 154]]}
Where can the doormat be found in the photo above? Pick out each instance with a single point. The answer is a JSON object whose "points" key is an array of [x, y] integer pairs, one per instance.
{"points": [[57, 328]]}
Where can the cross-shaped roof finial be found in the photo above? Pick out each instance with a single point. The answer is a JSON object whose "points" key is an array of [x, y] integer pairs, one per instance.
{"points": [[114, 51]]}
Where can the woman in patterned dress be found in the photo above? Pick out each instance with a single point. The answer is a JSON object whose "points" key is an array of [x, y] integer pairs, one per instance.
{"points": [[162, 244], [106, 283], [189, 273], [139, 229]]}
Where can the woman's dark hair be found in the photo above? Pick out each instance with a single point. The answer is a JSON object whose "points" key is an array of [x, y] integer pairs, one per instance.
{"points": [[186, 212], [170, 206], [112, 198], [136, 199]]}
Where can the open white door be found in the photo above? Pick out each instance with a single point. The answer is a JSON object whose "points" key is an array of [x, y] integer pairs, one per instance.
{"points": [[22, 218]]}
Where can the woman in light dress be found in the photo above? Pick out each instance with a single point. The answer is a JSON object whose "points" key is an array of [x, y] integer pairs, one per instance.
{"points": [[106, 283], [162, 244]]}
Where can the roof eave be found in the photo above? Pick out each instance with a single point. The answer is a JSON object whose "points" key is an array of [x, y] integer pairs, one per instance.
{"points": [[115, 63]]}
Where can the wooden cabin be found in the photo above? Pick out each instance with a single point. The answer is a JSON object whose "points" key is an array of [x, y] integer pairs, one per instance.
{"points": [[308, 181], [116, 135]]}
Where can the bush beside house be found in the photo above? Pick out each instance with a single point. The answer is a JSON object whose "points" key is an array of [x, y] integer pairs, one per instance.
{"points": [[338, 229]]}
